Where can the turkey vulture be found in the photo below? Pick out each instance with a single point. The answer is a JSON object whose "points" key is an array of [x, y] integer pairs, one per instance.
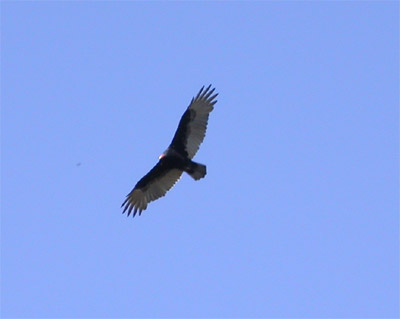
{"points": [[177, 158]]}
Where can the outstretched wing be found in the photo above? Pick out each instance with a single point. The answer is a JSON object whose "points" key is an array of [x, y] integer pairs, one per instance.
{"points": [[193, 124], [153, 185]]}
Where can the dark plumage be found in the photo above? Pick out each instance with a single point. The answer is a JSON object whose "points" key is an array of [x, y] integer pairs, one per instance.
{"points": [[178, 156]]}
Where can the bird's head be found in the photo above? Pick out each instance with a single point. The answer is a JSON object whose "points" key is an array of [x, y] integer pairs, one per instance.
{"points": [[165, 153], [161, 156]]}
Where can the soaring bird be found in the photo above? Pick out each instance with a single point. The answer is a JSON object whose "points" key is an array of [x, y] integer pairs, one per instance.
{"points": [[177, 158]]}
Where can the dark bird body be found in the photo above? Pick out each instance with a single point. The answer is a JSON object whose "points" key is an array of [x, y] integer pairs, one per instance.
{"points": [[178, 156]]}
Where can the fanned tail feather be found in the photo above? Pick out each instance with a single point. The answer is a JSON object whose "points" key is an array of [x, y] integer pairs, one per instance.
{"points": [[197, 171]]}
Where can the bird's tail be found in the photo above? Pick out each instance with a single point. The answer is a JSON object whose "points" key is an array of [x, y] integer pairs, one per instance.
{"points": [[196, 170]]}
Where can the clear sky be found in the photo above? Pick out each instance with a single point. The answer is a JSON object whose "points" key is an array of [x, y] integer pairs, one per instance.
{"points": [[298, 214]]}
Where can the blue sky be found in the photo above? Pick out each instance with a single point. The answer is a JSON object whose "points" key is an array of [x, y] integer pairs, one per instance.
{"points": [[298, 214]]}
